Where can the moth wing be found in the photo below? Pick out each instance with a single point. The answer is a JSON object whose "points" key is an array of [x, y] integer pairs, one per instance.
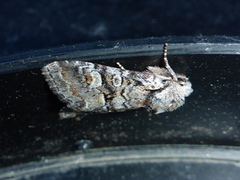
{"points": [[86, 86], [75, 82], [148, 79]]}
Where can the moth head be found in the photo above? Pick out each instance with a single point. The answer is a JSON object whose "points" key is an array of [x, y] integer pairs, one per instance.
{"points": [[165, 101], [171, 97], [185, 86]]}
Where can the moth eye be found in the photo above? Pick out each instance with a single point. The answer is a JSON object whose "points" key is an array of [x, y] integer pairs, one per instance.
{"points": [[180, 79]]}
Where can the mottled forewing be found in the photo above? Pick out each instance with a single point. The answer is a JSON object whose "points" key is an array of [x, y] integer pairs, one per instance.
{"points": [[92, 87]]}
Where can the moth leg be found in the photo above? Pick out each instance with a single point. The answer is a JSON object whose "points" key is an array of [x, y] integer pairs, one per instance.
{"points": [[67, 113], [120, 66], [168, 67]]}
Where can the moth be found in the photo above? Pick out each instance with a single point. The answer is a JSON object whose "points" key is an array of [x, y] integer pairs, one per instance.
{"points": [[89, 87]]}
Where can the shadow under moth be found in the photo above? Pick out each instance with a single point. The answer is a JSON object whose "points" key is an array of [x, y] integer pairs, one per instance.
{"points": [[89, 87]]}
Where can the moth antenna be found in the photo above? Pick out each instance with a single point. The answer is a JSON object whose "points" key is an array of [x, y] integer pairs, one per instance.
{"points": [[166, 62], [120, 66]]}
